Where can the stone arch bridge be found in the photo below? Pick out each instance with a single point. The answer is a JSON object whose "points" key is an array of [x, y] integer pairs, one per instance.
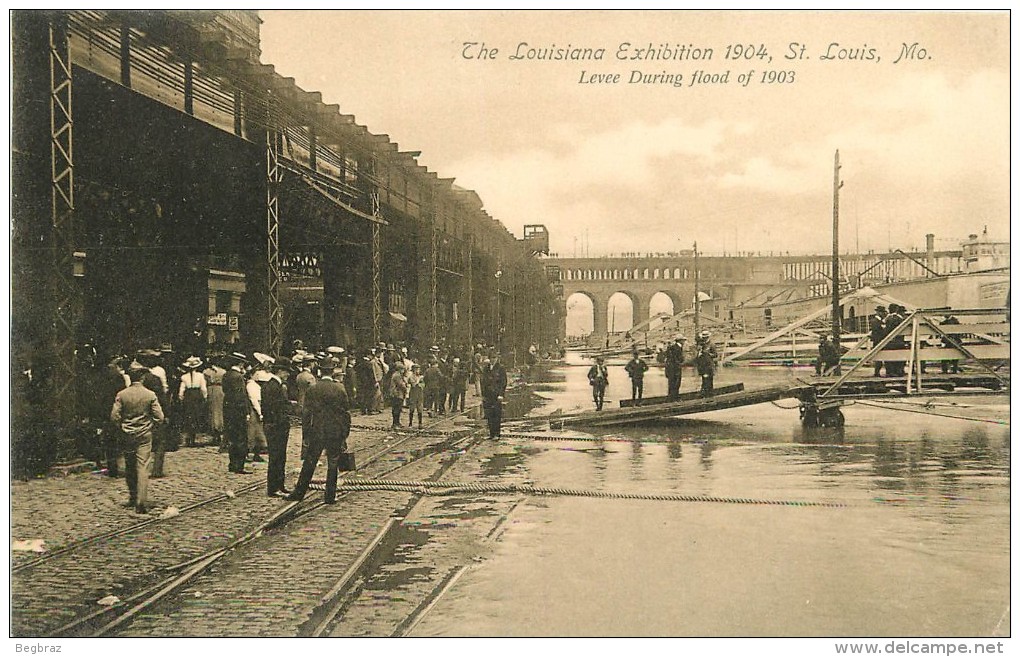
{"points": [[731, 281]]}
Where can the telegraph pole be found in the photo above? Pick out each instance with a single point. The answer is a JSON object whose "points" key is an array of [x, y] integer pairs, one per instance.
{"points": [[697, 292], [836, 184]]}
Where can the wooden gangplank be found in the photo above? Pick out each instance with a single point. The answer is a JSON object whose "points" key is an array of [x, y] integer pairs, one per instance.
{"points": [[698, 404], [696, 394]]}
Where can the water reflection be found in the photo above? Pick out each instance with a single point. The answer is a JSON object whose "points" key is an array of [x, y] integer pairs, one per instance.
{"points": [[636, 460]]}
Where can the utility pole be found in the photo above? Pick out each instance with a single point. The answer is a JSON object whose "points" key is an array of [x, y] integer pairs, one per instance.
{"points": [[697, 292], [836, 184]]}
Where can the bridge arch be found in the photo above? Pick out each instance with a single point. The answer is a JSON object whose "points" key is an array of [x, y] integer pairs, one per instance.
{"points": [[581, 310], [621, 311]]}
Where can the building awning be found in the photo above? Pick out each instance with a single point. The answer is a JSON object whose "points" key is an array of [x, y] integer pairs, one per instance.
{"points": [[398, 316]]}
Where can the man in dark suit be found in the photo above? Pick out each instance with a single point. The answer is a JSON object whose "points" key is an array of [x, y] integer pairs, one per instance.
{"points": [[276, 423], [493, 388], [327, 417], [235, 413], [674, 367]]}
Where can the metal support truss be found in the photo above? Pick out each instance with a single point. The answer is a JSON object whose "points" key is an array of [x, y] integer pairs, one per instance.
{"points": [[62, 215], [376, 270], [273, 177]]}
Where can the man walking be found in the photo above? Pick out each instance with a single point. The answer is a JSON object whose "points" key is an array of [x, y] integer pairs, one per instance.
{"points": [[328, 420], [136, 409], [493, 388]]}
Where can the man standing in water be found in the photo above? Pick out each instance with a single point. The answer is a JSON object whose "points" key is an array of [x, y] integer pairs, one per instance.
{"points": [[493, 387]]}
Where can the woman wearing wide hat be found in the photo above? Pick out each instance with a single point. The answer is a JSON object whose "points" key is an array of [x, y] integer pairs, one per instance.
{"points": [[193, 394]]}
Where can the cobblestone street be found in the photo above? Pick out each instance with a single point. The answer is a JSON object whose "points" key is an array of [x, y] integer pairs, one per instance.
{"points": [[65, 511]]}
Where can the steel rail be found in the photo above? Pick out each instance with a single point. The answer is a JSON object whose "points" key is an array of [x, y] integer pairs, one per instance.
{"points": [[151, 595], [90, 540]]}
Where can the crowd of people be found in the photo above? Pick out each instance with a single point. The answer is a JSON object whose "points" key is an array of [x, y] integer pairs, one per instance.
{"points": [[138, 408], [884, 322], [705, 358]]}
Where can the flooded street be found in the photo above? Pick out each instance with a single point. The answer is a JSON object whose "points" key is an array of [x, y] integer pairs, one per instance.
{"points": [[911, 536]]}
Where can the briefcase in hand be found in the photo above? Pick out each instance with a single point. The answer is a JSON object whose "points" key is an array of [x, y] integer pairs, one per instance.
{"points": [[345, 462]]}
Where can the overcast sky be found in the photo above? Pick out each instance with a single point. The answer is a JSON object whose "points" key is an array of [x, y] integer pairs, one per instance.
{"points": [[924, 143]]}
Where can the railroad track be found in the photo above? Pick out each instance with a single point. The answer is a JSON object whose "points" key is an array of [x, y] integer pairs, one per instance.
{"points": [[51, 586], [80, 544]]}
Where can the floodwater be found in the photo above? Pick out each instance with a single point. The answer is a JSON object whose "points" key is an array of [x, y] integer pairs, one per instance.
{"points": [[915, 543]]}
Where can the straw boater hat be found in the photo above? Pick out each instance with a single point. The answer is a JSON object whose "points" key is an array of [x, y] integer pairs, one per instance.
{"points": [[263, 359], [704, 335], [135, 366], [192, 363], [335, 350]]}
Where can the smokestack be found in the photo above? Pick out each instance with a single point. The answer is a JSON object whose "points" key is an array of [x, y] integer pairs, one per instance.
{"points": [[929, 243]]}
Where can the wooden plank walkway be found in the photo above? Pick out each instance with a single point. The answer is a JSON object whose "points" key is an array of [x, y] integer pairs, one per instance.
{"points": [[698, 404], [695, 394]]}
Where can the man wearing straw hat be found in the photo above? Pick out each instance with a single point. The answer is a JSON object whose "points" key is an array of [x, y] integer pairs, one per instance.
{"points": [[137, 411]]}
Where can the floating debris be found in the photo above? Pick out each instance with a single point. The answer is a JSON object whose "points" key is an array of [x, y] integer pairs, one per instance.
{"points": [[109, 600]]}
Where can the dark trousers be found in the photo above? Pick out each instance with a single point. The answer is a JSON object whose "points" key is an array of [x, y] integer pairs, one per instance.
{"points": [[457, 399], [637, 388], [235, 430], [276, 439], [673, 385], [333, 449], [598, 393], [441, 401], [110, 441], [707, 382], [397, 407], [493, 416], [367, 393]]}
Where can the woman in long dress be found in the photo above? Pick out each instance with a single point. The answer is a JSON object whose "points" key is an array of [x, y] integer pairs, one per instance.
{"points": [[193, 394], [214, 384]]}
